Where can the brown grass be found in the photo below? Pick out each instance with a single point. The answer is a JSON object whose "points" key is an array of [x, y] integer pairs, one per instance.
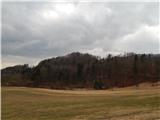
{"points": [[20, 103]]}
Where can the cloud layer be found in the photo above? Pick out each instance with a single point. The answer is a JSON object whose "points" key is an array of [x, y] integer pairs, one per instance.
{"points": [[33, 31]]}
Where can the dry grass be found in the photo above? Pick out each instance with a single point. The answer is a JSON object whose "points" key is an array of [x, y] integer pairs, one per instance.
{"points": [[43, 104]]}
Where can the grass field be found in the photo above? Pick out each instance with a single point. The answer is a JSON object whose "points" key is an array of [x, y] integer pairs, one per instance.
{"points": [[20, 103]]}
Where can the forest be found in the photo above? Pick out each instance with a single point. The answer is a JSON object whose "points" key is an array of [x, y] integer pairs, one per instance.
{"points": [[82, 70]]}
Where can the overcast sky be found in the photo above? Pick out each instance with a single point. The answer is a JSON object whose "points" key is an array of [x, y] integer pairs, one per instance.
{"points": [[33, 31]]}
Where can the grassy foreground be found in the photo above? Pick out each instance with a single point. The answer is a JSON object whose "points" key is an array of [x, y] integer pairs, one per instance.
{"points": [[20, 103]]}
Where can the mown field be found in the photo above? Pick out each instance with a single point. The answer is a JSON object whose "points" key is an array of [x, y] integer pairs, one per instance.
{"points": [[20, 103]]}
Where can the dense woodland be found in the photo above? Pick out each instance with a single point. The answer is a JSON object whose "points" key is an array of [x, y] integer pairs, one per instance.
{"points": [[77, 70]]}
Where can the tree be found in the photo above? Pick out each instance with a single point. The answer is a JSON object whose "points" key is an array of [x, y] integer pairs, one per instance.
{"points": [[135, 70], [84, 70]]}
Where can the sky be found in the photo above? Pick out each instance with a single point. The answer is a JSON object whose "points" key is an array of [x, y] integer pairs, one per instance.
{"points": [[33, 31]]}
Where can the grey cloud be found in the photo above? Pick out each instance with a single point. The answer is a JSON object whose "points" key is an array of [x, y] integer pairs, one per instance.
{"points": [[40, 30], [145, 40]]}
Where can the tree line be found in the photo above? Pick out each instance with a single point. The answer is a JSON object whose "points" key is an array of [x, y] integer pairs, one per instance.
{"points": [[77, 70]]}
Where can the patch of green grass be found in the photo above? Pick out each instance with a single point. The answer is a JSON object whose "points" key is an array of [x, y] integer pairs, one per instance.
{"points": [[34, 104]]}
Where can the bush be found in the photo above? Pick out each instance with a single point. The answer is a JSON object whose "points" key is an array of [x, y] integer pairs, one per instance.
{"points": [[98, 85]]}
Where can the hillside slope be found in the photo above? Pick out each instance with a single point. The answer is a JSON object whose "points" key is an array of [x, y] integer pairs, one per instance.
{"points": [[78, 70]]}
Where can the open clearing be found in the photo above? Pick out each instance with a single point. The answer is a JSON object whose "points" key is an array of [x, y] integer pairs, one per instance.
{"points": [[20, 103]]}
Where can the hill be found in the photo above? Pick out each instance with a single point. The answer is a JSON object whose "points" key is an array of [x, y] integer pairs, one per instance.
{"points": [[77, 70]]}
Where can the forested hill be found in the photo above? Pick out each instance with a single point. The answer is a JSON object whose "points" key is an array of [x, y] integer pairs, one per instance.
{"points": [[77, 70]]}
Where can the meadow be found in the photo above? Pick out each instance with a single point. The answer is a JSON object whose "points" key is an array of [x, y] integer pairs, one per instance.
{"points": [[21, 103]]}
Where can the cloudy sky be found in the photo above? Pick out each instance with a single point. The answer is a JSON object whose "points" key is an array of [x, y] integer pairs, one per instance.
{"points": [[33, 31]]}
